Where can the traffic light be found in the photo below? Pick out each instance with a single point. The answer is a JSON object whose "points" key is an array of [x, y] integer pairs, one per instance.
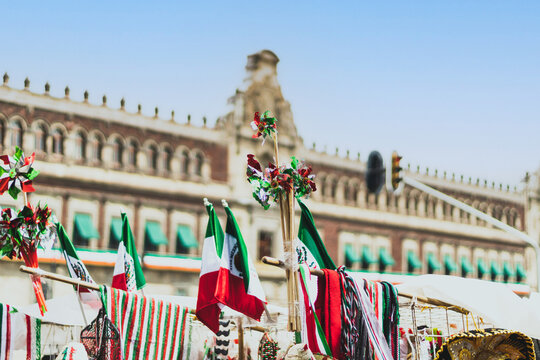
{"points": [[395, 177], [375, 173]]}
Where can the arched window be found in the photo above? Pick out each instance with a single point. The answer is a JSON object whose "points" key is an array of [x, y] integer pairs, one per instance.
{"points": [[2, 132], [118, 151], [58, 142], [16, 133], [41, 138], [167, 158], [97, 148], [185, 162], [80, 146], [152, 157], [132, 150], [199, 162]]}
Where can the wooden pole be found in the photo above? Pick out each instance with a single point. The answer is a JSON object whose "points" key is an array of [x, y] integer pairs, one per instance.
{"points": [[317, 272], [241, 350], [58, 277], [286, 206]]}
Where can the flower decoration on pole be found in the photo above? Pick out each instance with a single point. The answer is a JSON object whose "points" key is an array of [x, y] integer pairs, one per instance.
{"points": [[20, 235], [17, 173], [271, 183], [265, 125]]}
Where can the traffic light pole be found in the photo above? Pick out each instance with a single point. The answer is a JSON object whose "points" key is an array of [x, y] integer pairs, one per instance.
{"points": [[482, 216]]}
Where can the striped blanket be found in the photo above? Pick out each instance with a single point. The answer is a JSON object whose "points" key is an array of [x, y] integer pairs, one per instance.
{"points": [[149, 328], [19, 332]]}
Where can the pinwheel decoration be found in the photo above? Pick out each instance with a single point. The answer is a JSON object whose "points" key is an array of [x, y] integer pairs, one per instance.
{"points": [[17, 173], [270, 183], [265, 125], [20, 235]]}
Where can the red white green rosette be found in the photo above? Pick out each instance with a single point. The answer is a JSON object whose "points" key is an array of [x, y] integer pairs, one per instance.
{"points": [[270, 183], [17, 173], [264, 124]]}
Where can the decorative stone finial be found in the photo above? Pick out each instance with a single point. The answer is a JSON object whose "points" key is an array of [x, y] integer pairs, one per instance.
{"points": [[66, 92], [26, 84], [6, 79], [189, 119], [47, 88], [85, 96], [122, 104], [204, 121], [104, 99], [156, 112], [139, 108]]}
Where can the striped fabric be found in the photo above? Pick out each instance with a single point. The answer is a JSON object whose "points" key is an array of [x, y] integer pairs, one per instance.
{"points": [[19, 332], [149, 328]]}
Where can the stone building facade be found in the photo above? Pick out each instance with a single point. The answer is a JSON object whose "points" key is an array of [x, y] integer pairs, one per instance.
{"points": [[96, 160]]}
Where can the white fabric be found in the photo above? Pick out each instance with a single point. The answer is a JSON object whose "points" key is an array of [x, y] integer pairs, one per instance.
{"points": [[65, 310], [495, 302]]}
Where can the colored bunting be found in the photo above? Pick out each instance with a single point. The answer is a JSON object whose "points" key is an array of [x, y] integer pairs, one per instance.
{"points": [[149, 328]]}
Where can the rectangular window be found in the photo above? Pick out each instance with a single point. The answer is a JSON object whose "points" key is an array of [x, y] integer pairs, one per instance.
{"points": [[265, 244], [153, 236], [83, 229], [186, 240]]}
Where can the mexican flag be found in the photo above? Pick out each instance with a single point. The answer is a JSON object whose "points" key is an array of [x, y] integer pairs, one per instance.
{"points": [[312, 331], [128, 274], [238, 285], [208, 307], [75, 266], [316, 255]]}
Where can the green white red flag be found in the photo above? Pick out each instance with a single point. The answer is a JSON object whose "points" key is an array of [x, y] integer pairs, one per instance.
{"points": [[310, 238], [208, 307], [128, 274], [238, 285], [312, 331], [75, 266]]}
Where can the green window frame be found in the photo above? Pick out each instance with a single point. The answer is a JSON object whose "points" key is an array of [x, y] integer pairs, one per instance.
{"points": [[413, 262], [185, 239], [83, 229]]}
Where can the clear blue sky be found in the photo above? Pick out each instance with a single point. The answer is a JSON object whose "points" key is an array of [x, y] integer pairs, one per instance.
{"points": [[451, 85]]}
